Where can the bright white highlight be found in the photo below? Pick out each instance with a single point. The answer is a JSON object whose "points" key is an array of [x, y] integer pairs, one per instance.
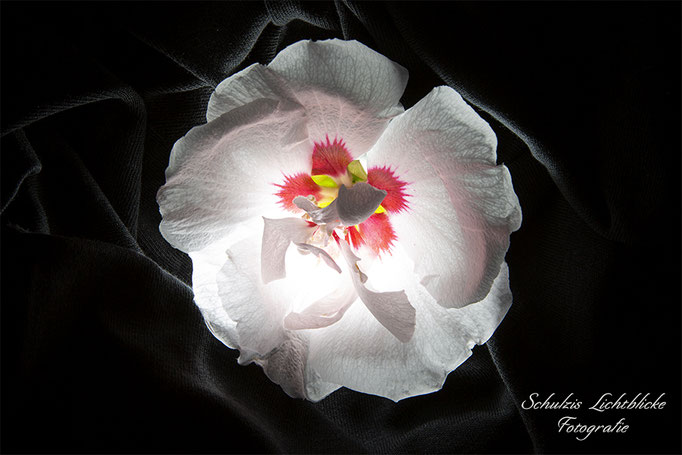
{"points": [[310, 279]]}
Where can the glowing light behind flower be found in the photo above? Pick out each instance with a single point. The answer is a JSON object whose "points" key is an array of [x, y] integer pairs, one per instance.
{"points": [[338, 240]]}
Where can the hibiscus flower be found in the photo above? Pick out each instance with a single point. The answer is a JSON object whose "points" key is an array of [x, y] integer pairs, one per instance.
{"points": [[337, 239]]}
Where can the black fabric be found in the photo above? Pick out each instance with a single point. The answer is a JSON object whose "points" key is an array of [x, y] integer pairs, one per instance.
{"points": [[103, 349]]}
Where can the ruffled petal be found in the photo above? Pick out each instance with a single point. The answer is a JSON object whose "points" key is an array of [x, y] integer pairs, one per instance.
{"points": [[286, 364], [320, 253], [360, 354], [258, 309], [463, 206], [255, 308], [277, 235], [324, 312], [223, 173], [391, 309], [206, 265], [253, 83], [349, 91]]}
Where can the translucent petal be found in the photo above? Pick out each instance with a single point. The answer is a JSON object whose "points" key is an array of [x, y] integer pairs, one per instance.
{"points": [[277, 236], [462, 206], [348, 90], [257, 310], [253, 83], [206, 265], [359, 353], [324, 312], [223, 173], [254, 307], [319, 252], [286, 364], [391, 309]]}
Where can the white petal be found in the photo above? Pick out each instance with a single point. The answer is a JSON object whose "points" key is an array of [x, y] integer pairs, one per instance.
{"points": [[277, 235], [324, 312], [349, 91], [286, 364], [258, 310], [319, 252], [359, 353], [252, 83], [206, 265], [222, 173], [462, 206], [391, 309]]}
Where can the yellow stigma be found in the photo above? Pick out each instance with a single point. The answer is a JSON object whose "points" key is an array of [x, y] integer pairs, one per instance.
{"points": [[324, 181]]}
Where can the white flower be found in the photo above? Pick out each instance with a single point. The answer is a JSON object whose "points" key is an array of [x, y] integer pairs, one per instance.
{"points": [[338, 240]]}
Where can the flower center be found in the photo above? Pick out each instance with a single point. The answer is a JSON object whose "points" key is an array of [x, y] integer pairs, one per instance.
{"points": [[341, 195]]}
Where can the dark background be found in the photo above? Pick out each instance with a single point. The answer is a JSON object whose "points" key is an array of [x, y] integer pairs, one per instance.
{"points": [[102, 347]]}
